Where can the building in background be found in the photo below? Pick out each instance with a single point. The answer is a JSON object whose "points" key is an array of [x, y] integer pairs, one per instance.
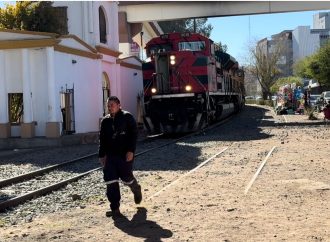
{"points": [[285, 62], [60, 83], [298, 43], [321, 20], [283, 41]]}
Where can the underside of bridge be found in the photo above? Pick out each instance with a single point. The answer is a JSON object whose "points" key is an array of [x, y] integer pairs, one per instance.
{"points": [[141, 11]]}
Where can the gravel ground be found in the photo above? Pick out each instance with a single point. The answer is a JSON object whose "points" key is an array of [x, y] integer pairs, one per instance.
{"points": [[288, 201]]}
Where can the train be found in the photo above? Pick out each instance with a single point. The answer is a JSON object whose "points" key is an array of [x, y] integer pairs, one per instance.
{"points": [[189, 82]]}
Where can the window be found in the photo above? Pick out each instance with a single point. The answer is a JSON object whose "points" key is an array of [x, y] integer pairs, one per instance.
{"points": [[15, 107], [103, 26], [160, 48], [193, 46], [62, 17]]}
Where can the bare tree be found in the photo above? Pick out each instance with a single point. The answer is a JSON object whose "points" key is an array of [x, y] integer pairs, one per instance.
{"points": [[264, 65]]}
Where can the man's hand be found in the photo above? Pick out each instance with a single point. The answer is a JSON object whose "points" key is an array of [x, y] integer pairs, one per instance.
{"points": [[102, 161], [129, 156]]}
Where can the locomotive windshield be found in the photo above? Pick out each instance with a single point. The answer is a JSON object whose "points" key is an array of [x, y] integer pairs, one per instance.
{"points": [[160, 48], [192, 45]]}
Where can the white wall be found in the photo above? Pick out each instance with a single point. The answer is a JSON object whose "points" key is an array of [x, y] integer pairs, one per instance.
{"points": [[38, 73], [131, 85], [111, 70], [13, 79], [38, 70], [304, 43], [85, 78], [111, 13], [83, 21], [13, 71]]}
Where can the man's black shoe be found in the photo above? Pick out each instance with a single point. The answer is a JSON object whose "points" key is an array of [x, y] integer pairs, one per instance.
{"points": [[137, 194], [113, 213]]}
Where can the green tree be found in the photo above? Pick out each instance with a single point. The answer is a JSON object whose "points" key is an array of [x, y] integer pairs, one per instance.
{"points": [[316, 66], [302, 68], [187, 25], [31, 15], [320, 65]]}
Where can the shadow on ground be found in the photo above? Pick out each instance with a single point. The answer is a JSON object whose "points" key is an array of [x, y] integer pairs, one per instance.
{"points": [[140, 227]]}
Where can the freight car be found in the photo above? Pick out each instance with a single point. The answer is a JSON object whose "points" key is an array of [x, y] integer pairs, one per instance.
{"points": [[189, 83]]}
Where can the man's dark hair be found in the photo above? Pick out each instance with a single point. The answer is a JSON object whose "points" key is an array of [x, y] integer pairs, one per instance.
{"points": [[114, 99]]}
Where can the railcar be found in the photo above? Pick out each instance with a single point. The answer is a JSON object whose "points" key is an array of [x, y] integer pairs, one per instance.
{"points": [[189, 82]]}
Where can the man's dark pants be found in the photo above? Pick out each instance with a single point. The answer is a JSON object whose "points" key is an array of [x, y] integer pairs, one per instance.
{"points": [[116, 167]]}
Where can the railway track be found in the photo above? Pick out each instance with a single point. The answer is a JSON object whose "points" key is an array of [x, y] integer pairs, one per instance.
{"points": [[43, 175], [163, 171]]}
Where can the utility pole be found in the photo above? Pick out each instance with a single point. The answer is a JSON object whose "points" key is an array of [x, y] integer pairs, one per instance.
{"points": [[194, 25], [141, 34]]}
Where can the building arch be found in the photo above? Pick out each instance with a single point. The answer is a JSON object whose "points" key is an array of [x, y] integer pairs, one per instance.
{"points": [[103, 28], [105, 91]]}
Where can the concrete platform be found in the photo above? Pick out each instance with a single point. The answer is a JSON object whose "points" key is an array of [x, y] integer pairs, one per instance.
{"points": [[38, 142]]}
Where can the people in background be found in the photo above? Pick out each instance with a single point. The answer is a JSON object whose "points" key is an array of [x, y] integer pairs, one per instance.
{"points": [[326, 111]]}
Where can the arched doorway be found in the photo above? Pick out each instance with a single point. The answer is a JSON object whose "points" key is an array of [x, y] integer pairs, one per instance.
{"points": [[105, 91]]}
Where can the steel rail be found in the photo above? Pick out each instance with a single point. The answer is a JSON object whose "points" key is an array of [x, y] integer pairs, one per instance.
{"points": [[45, 190], [32, 174], [42, 191]]}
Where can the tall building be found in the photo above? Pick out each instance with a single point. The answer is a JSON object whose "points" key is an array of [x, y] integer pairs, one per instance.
{"points": [[283, 41], [285, 62], [306, 41], [321, 20]]}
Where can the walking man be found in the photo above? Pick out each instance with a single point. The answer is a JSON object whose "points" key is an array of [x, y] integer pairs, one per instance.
{"points": [[118, 135]]}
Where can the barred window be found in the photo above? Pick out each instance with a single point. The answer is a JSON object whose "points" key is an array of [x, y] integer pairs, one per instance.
{"points": [[62, 18], [15, 107]]}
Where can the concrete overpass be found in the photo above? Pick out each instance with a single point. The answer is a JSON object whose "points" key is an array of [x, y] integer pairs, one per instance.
{"points": [[159, 11]]}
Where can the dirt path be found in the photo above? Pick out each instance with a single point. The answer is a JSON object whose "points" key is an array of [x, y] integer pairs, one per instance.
{"points": [[287, 201]]}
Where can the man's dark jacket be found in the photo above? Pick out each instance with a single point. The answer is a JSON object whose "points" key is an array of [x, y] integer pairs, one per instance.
{"points": [[118, 134]]}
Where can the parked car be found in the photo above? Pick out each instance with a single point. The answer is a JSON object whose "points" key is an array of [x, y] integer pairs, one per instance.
{"points": [[323, 100], [326, 96], [249, 97], [313, 99]]}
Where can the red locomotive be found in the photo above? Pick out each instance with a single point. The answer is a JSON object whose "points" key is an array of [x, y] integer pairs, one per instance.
{"points": [[189, 83]]}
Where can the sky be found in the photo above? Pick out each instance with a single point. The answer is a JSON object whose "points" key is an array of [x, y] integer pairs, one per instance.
{"points": [[237, 32]]}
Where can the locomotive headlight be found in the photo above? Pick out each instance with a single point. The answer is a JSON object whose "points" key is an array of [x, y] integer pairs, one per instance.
{"points": [[153, 90], [188, 88], [172, 60]]}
